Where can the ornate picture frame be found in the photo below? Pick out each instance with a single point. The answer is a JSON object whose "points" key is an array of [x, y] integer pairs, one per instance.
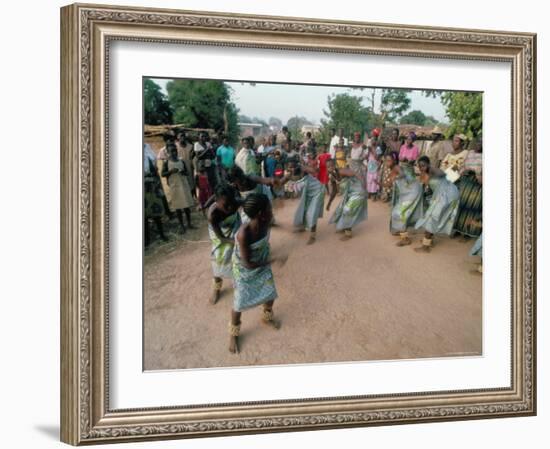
{"points": [[87, 32]]}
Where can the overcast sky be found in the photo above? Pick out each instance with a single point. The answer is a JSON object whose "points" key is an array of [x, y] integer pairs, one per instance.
{"points": [[265, 100]]}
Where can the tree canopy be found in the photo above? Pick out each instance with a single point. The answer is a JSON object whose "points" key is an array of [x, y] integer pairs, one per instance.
{"points": [[204, 104], [295, 124], [417, 117], [348, 112], [464, 110], [157, 110], [393, 104]]}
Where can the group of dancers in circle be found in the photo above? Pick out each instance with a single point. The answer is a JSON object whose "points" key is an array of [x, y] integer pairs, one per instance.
{"points": [[241, 215], [240, 212]]}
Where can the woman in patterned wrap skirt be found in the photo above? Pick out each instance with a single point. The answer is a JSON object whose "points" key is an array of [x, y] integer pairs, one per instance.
{"points": [[352, 210], [407, 202], [310, 207], [468, 221], [252, 275], [223, 223], [441, 214]]}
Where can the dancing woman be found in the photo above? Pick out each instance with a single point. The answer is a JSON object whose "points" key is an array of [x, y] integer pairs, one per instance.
{"points": [[441, 214], [223, 223], [352, 209], [253, 279], [310, 207], [407, 202]]}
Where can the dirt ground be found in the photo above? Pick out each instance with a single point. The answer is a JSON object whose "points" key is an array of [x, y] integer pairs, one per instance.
{"points": [[363, 299]]}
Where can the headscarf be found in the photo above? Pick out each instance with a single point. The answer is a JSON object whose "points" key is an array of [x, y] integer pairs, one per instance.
{"points": [[461, 137]]}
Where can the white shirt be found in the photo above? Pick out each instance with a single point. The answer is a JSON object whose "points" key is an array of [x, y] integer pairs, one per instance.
{"points": [[357, 153], [242, 155]]}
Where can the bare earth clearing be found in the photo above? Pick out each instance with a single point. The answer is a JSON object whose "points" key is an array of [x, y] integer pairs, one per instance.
{"points": [[364, 299]]}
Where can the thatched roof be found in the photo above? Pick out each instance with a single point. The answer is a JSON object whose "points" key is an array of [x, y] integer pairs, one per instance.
{"points": [[159, 130], [422, 132]]}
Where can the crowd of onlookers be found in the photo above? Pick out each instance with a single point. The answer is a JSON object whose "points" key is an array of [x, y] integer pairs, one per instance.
{"points": [[185, 173]]}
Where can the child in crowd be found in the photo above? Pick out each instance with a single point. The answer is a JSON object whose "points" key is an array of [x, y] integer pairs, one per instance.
{"points": [[340, 154], [322, 159], [253, 279], [387, 176], [204, 191]]}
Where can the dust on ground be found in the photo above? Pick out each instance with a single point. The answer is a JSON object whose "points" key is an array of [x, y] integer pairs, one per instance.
{"points": [[363, 299]]}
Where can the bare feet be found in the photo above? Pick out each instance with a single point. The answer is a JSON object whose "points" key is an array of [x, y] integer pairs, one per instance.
{"points": [[423, 249], [311, 240], [275, 324], [296, 230], [345, 237], [215, 296], [234, 345], [404, 242]]}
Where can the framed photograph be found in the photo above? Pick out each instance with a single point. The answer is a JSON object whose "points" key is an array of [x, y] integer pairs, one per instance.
{"points": [[278, 224]]}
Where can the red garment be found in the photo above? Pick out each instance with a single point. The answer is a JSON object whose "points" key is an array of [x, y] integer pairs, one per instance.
{"points": [[205, 191], [323, 173]]}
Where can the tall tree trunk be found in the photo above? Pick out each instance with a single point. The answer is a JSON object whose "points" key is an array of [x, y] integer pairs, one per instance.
{"points": [[225, 122]]}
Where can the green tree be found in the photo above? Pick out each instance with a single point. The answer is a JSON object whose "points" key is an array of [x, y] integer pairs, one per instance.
{"points": [[295, 124], [348, 112], [465, 113], [417, 117], [157, 110], [464, 110], [393, 104], [204, 104]]}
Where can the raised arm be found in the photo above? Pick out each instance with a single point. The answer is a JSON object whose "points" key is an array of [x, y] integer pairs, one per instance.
{"points": [[347, 173], [262, 180], [436, 172], [313, 171]]}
